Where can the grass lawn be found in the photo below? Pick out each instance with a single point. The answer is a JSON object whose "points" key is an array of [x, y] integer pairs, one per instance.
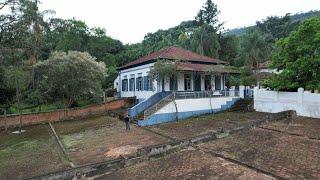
{"points": [[29, 154]]}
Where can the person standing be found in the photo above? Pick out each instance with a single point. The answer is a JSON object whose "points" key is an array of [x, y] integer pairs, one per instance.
{"points": [[127, 120]]}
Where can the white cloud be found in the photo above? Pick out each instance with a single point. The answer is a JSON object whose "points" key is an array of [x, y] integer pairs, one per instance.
{"points": [[130, 20]]}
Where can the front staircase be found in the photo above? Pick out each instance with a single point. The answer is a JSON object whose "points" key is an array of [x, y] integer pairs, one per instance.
{"points": [[243, 105], [162, 103], [138, 111]]}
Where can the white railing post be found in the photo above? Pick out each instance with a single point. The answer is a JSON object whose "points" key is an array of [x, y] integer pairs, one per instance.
{"points": [[232, 91], [300, 95], [241, 91]]}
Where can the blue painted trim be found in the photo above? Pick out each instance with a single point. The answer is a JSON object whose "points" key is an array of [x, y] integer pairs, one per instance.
{"points": [[168, 117]]}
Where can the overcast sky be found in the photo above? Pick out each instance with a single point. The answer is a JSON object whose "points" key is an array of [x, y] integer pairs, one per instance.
{"points": [[130, 20]]}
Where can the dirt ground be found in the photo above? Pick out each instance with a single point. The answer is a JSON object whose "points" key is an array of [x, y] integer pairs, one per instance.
{"points": [[205, 124], [31, 153], [102, 138], [186, 164]]}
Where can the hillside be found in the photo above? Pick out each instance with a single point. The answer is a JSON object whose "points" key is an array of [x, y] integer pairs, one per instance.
{"points": [[295, 18]]}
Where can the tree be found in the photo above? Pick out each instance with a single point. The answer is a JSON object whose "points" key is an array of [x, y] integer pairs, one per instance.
{"points": [[162, 69], [204, 41], [6, 93], [254, 49], [209, 15], [299, 57], [17, 78], [229, 48], [245, 78], [275, 27], [69, 35], [69, 76]]}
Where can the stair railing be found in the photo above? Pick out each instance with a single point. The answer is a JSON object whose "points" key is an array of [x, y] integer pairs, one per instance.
{"points": [[158, 105], [141, 107]]}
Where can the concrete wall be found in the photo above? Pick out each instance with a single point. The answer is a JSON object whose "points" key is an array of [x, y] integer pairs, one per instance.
{"points": [[189, 108], [59, 115], [304, 103]]}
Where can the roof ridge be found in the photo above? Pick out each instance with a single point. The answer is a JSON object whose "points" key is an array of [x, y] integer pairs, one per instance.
{"points": [[174, 53]]}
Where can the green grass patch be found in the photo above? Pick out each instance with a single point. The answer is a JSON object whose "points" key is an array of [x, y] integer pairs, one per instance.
{"points": [[77, 126]]}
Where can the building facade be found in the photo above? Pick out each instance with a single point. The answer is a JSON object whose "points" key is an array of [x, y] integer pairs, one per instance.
{"points": [[195, 73]]}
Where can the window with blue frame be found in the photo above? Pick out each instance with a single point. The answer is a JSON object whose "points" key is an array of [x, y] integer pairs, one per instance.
{"points": [[139, 84], [125, 85], [131, 84], [147, 83]]}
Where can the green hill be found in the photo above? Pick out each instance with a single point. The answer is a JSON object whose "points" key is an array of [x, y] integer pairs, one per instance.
{"points": [[294, 18]]}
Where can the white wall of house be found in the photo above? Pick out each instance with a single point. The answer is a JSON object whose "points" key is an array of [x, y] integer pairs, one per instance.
{"points": [[143, 70], [136, 72], [304, 103]]}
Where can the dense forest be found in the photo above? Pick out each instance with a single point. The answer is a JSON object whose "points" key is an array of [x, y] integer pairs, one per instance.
{"points": [[48, 63], [294, 18]]}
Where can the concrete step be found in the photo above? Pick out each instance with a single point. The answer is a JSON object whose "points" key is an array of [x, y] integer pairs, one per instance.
{"points": [[242, 105]]}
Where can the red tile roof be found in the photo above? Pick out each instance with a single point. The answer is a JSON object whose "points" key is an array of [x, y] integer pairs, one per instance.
{"points": [[174, 53]]}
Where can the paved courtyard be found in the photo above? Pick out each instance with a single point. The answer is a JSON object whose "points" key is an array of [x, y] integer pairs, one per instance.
{"points": [[102, 138], [287, 149], [281, 150], [196, 126], [186, 164]]}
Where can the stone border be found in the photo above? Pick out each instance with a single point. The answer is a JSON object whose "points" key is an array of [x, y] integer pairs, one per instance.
{"points": [[156, 150]]}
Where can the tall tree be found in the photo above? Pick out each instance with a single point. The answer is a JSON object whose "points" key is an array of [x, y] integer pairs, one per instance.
{"points": [[209, 15], [254, 48], [229, 48], [204, 41]]}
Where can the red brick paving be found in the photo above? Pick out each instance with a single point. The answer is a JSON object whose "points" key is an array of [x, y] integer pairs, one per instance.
{"points": [[303, 126], [287, 156], [186, 164], [205, 124]]}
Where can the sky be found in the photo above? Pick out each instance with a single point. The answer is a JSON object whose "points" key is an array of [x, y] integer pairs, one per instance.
{"points": [[130, 20]]}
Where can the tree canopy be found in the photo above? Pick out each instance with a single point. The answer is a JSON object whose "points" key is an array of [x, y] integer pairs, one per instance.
{"points": [[299, 57], [69, 76]]}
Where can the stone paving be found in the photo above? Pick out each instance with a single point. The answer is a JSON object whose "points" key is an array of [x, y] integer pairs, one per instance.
{"points": [[205, 124], [284, 155], [253, 154], [308, 127], [186, 164], [288, 149]]}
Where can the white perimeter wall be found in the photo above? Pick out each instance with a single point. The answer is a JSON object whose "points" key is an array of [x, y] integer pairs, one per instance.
{"points": [[188, 105], [304, 103]]}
